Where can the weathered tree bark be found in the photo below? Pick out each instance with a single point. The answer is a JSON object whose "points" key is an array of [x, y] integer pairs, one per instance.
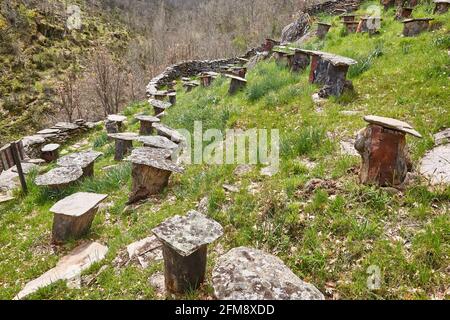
{"points": [[413, 27], [146, 128], [50, 156], [71, 227], [322, 30], [299, 62], [385, 160], [236, 85], [147, 181], [123, 147], [183, 274]]}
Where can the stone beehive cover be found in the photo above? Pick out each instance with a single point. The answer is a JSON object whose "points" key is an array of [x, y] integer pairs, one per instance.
{"points": [[156, 158], [142, 117], [393, 124], [79, 159], [78, 204], [188, 233], [127, 136], [60, 176], [160, 104], [157, 142]]}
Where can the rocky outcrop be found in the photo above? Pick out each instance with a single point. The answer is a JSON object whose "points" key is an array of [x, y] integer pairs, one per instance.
{"points": [[296, 29], [333, 7]]}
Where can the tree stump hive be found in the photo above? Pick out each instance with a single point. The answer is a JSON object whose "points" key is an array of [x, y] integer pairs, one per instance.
{"points": [[50, 152], [146, 123], [382, 146], [73, 215], [185, 241], [151, 171], [123, 144], [413, 27]]}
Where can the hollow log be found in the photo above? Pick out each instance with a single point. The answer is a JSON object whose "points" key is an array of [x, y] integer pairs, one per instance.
{"points": [[147, 181], [385, 160], [123, 147], [71, 227], [184, 274]]}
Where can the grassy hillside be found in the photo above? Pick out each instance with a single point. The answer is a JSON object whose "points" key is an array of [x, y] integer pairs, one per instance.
{"points": [[328, 236], [37, 50]]}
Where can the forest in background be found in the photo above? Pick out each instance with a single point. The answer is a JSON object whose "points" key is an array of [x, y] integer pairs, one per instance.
{"points": [[49, 73]]}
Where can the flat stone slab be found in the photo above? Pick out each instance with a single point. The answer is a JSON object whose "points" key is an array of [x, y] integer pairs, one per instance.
{"points": [[60, 176], [334, 59], [49, 131], [417, 19], [187, 234], [157, 142], [79, 159], [5, 198], [32, 140], [146, 251], [26, 167], [155, 158], [65, 126], [78, 204], [393, 124], [146, 118], [9, 180], [168, 132], [116, 118], [234, 77], [126, 136], [442, 137], [250, 274], [435, 166], [163, 105], [69, 267], [50, 147]]}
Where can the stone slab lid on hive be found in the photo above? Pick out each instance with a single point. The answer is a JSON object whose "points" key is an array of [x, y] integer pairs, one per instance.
{"points": [[116, 118], [127, 136], [49, 131], [188, 233], [159, 104], [156, 158], [334, 59], [157, 142], [80, 159], [442, 1], [324, 24], [60, 176], [168, 132], [78, 204], [142, 117], [232, 76], [50, 147], [393, 124], [417, 19]]}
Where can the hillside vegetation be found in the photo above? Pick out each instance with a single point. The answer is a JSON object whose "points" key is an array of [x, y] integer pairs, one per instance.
{"points": [[328, 235]]}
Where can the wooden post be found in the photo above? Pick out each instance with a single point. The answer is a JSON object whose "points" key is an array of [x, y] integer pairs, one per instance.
{"points": [[17, 161]]}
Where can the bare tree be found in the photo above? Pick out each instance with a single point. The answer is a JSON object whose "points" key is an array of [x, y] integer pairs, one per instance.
{"points": [[69, 95], [109, 81]]}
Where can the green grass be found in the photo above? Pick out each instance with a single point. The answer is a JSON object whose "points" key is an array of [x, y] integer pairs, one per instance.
{"points": [[328, 237]]}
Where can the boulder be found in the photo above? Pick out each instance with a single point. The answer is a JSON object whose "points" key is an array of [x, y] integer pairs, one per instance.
{"points": [[296, 29], [250, 274]]}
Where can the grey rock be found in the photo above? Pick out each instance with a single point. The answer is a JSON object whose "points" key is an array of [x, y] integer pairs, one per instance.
{"points": [[393, 124], [169, 133], [60, 177], [69, 267], [442, 137], [78, 204], [156, 158], [296, 29], [146, 251], [157, 142], [250, 274], [435, 165], [80, 159]]}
